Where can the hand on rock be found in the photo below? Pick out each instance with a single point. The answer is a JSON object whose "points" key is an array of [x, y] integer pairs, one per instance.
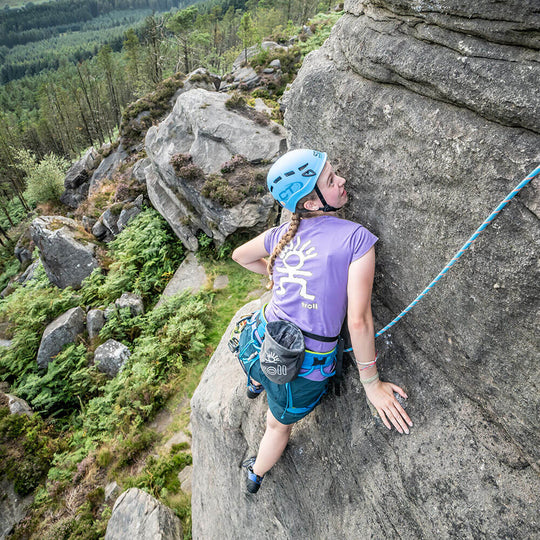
{"points": [[381, 396]]}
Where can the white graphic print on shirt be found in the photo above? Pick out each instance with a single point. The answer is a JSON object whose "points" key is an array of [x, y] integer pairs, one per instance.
{"points": [[294, 257]]}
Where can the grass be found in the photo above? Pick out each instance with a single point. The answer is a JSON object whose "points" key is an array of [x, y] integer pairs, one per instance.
{"points": [[228, 301]]}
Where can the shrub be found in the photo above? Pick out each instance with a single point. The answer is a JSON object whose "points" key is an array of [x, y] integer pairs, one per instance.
{"points": [[170, 335], [27, 447], [45, 178], [67, 383], [144, 255], [29, 309], [236, 101]]}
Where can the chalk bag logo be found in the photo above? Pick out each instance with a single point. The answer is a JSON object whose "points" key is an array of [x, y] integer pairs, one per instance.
{"points": [[274, 365]]}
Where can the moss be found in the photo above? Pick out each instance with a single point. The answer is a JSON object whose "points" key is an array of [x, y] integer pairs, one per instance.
{"points": [[116, 208], [236, 102], [238, 180], [185, 168], [201, 77], [156, 103]]}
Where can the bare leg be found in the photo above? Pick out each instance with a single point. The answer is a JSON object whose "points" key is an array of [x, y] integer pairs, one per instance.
{"points": [[272, 444]]}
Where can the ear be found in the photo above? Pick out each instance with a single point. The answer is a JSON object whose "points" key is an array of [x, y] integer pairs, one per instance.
{"points": [[312, 205]]}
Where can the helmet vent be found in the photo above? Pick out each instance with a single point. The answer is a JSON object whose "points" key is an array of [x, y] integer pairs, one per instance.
{"points": [[303, 166], [277, 180], [290, 173]]}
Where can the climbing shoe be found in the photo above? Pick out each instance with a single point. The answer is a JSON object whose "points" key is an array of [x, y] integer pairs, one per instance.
{"points": [[253, 481], [254, 390]]}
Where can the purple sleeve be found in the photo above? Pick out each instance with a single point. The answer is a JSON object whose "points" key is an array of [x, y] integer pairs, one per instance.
{"points": [[272, 236], [362, 242]]}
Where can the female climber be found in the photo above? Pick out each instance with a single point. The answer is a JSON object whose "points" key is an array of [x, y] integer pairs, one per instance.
{"points": [[321, 268]]}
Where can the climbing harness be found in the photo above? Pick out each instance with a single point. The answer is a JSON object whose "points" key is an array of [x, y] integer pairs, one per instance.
{"points": [[246, 341], [467, 244]]}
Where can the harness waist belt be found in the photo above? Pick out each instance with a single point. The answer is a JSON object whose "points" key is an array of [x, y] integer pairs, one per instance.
{"points": [[261, 323]]}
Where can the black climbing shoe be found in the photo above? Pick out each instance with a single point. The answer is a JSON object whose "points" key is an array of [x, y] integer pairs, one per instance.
{"points": [[254, 390], [253, 481]]}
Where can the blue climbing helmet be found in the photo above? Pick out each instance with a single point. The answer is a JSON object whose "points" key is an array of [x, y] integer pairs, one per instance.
{"points": [[294, 175]]}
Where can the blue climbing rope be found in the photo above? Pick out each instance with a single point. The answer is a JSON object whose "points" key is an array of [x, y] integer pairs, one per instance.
{"points": [[467, 244]]}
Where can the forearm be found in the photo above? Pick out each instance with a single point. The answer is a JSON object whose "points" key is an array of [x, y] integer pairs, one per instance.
{"points": [[251, 255], [363, 344], [258, 267]]}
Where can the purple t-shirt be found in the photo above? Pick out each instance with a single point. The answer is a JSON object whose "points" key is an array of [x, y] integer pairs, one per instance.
{"points": [[311, 273]]}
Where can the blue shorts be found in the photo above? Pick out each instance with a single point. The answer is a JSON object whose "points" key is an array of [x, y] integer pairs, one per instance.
{"points": [[292, 401]]}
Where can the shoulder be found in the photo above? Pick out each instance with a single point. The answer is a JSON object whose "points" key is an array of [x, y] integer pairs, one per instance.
{"points": [[346, 226], [272, 236]]}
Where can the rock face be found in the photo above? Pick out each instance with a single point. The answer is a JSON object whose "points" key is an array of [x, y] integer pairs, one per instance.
{"points": [[201, 125], [66, 257], [430, 110], [77, 179], [189, 275], [138, 516], [60, 332]]}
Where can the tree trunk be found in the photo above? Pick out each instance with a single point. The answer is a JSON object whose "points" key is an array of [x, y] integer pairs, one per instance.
{"points": [[96, 124]]}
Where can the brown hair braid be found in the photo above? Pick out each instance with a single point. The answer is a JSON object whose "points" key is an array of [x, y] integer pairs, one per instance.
{"points": [[285, 239]]}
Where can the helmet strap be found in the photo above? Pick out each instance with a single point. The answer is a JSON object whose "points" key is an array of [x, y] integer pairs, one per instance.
{"points": [[326, 207]]}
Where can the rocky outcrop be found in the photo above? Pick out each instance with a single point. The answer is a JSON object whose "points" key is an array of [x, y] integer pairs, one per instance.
{"points": [[60, 332], [77, 178], [138, 516], [110, 357], [66, 253], [202, 127], [107, 167], [430, 110], [243, 76]]}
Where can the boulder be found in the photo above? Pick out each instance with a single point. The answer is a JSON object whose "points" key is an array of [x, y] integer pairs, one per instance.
{"points": [[66, 253], [138, 516], [129, 211], [95, 321], [201, 125], [88, 223], [13, 508], [29, 273], [60, 332], [430, 111], [24, 247], [101, 232], [190, 275], [221, 282], [111, 357], [132, 301], [185, 479], [16, 405], [112, 490]]}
